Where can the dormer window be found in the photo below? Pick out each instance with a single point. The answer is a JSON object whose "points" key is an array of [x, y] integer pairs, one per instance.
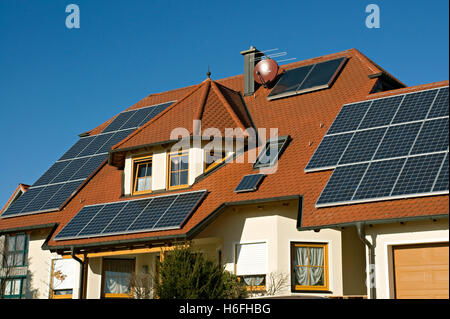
{"points": [[142, 169], [214, 158], [178, 170]]}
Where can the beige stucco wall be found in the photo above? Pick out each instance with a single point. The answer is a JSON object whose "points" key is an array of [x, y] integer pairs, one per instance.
{"points": [[39, 267], [275, 223], [94, 278], [385, 236]]}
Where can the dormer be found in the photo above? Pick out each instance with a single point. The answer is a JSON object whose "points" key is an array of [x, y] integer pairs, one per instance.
{"points": [[172, 150]]}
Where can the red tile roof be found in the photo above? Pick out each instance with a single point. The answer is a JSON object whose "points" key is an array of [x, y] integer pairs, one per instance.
{"points": [[305, 118]]}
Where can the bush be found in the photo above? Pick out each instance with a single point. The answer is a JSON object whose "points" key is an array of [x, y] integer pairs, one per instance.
{"points": [[184, 274]]}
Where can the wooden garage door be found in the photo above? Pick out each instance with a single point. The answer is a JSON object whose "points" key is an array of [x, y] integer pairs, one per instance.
{"points": [[421, 271]]}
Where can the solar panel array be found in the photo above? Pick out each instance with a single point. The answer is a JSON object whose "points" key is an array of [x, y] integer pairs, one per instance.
{"points": [[133, 216], [249, 183], [386, 148], [307, 78], [64, 177]]}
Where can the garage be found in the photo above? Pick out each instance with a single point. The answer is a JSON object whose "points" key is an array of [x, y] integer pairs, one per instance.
{"points": [[421, 271]]}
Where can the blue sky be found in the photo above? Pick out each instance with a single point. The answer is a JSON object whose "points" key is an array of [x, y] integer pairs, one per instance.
{"points": [[56, 82]]}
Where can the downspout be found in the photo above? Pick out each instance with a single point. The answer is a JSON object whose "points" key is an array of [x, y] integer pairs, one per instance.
{"points": [[80, 288], [371, 274]]}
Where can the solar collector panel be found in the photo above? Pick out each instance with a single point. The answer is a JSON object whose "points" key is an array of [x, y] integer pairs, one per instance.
{"points": [[433, 137], [362, 147], [152, 213], [418, 175], [415, 106], [349, 117], [398, 141], [381, 112], [77, 223], [342, 184], [379, 179], [441, 183], [179, 210], [102, 219], [329, 151], [440, 105]]}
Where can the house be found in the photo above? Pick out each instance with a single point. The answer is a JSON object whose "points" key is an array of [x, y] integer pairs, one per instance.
{"points": [[333, 173]]}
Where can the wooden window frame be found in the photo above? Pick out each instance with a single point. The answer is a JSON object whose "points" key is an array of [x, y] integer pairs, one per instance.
{"points": [[254, 288], [23, 252], [169, 166], [116, 296], [136, 162], [326, 267], [207, 167]]}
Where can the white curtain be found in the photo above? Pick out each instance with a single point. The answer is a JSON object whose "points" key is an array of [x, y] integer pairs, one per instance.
{"points": [[117, 276], [304, 258], [301, 273], [316, 273]]}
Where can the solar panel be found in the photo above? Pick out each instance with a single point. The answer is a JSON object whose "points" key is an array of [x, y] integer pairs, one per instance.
{"points": [[249, 183], [96, 144], [51, 173], [441, 183], [418, 175], [151, 214], [307, 78], [440, 105], [362, 147], [381, 112], [321, 74], [379, 179], [349, 117], [59, 182], [140, 215], [398, 141], [102, 218], [80, 221], [342, 184], [78, 147], [291, 80], [329, 151], [415, 106], [433, 137], [119, 121], [403, 139]]}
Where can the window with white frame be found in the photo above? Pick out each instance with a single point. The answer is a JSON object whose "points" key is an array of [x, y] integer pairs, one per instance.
{"points": [[62, 278], [251, 264]]}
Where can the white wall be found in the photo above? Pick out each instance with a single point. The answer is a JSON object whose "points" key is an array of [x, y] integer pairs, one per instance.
{"points": [[274, 223]]}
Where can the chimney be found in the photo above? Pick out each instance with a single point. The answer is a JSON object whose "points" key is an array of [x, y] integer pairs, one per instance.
{"points": [[250, 59]]}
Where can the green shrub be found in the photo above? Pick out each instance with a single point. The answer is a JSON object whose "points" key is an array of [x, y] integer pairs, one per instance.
{"points": [[184, 274]]}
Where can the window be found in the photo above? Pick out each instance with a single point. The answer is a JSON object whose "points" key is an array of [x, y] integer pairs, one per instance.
{"points": [[178, 170], [142, 169], [62, 278], [16, 250], [116, 278], [271, 152], [14, 288], [213, 158], [251, 264], [310, 266]]}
